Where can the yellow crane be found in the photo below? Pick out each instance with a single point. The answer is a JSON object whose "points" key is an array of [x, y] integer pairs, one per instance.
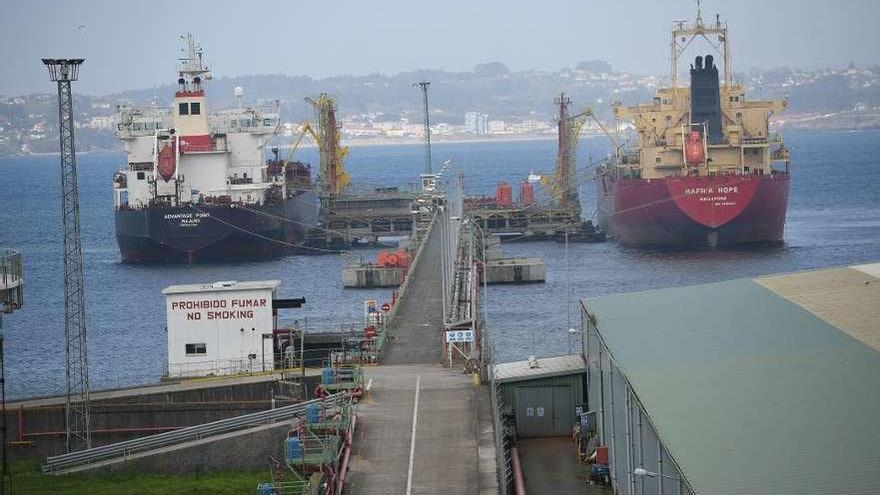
{"points": [[570, 127], [332, 177]]}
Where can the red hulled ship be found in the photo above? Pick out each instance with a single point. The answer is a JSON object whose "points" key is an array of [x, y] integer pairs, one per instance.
{"points": [[702, 172]]}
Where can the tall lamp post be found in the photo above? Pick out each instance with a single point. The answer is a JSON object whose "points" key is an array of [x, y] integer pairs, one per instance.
{"points": [[78, 423], [485, 263]]}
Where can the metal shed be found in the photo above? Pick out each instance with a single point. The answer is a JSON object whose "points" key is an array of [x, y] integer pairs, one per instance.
{"points": [[756, 386], [543, 395]]}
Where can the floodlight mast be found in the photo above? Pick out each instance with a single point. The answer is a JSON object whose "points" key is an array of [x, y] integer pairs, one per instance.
{"points": [[77, 419], [424, 87]]}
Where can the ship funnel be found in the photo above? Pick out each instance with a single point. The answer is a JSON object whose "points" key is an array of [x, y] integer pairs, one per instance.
{"points": [[706, 98]]}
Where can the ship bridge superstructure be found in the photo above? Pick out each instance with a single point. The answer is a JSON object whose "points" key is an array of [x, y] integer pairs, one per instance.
{"points": [[705, 129], [186, 155]]}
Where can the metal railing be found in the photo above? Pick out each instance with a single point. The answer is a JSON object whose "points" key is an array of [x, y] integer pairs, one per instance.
{"points": [[57, 464], [218, 367]]}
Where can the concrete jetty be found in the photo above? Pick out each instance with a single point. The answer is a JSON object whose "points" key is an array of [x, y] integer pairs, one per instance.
{"points": [[368, 275], [425, 428]]}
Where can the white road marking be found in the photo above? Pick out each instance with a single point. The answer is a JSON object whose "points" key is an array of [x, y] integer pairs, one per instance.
{"points": [[412, 443]]}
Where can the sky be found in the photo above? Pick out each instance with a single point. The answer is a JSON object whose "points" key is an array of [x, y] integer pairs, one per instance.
{"points": [[134, 44]]}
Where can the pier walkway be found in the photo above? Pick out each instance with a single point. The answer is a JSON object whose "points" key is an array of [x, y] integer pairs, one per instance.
{"points": [[423, 428], [417, 329]]}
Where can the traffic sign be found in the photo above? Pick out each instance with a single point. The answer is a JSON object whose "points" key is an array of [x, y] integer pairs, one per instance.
{"points": [[459, 336], [386, 307]]}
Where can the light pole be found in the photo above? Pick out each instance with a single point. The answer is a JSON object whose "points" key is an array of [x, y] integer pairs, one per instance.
{"points": [[77, 416], [485, 267], [650, 474], [567, 285], [472, 223], [443, 235]]}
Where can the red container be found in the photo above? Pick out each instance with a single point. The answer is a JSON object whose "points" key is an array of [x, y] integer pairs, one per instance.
{"points": [[504, 195], [526, 193], [395, 259]]}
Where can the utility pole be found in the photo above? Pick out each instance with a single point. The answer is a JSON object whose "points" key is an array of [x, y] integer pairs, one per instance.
{"points": [[65, 71], [424, 86]]}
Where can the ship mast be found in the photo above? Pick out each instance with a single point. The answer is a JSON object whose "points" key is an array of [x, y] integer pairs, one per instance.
{"points": [[191, 68], [683, 35]]}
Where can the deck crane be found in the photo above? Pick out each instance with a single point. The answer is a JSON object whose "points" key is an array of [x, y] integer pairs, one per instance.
{"points": [[305, 128], [588, 113], [570, 127], [332, 177]]}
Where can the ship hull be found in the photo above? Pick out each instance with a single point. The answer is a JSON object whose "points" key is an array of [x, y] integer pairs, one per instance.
{"points": [[214, 232], [694, 211]]}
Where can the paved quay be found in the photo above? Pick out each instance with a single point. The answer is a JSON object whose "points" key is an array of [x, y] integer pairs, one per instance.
{"points": [[419, 433], [550, 466]]}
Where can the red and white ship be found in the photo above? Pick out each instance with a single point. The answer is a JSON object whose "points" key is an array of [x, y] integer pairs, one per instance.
{"points": [[702, 172]]}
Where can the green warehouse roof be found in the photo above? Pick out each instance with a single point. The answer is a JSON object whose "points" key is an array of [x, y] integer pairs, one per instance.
{"points": [[749, 386]]}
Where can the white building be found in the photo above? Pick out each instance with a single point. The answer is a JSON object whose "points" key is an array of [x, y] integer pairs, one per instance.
{"points": [[496, 127], [476, 122], [220, 328]]}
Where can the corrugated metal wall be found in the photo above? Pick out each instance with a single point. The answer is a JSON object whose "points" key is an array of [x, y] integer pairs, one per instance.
{"points": [[623, 425], [558, 396]]}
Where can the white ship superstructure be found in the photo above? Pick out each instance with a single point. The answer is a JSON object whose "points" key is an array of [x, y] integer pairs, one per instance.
{"points": [[185, 158]]}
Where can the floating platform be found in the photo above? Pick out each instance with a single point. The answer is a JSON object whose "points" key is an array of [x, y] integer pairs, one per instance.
{"points": [[515, 271], [368, 275]]}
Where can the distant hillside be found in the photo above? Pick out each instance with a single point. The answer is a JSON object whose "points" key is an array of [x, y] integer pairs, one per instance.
{"points": [[819, 98]]}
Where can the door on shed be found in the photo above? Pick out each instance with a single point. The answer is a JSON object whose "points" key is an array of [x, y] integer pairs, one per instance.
{"points": [[543, 411]]}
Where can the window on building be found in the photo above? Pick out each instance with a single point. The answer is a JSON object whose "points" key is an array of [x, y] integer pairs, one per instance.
{"points": [[183, 109], [195, 108], [193, 349], [140, 176]]}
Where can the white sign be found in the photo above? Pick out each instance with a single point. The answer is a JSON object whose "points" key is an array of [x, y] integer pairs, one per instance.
{"points": [[540, 412], [530, 411], [370, 307], [459, 336]]}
